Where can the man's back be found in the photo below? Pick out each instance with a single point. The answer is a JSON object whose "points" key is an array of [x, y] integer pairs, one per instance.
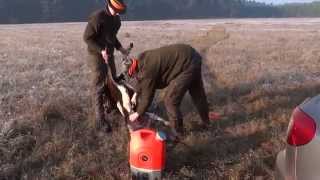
{"points": [[166, 62]]}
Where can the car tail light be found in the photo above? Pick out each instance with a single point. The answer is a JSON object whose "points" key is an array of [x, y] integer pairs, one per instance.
{"points": [[302, 128]]}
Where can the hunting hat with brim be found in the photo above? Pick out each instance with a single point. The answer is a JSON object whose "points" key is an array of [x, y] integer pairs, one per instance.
{"points": [[118, 6]]}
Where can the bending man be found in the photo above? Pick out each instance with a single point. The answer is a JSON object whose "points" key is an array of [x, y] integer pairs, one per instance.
{"points": [[177, 67]]}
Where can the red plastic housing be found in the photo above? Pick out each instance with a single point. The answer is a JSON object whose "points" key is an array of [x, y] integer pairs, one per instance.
{"points": [[147, 151], [302, 128]]}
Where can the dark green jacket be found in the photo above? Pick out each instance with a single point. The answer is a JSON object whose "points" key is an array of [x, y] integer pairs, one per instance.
{"points": [[157, 68], [101, 31]]}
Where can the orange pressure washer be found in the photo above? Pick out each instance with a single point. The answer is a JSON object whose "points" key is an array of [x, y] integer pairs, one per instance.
{"points": [[147, 151]]}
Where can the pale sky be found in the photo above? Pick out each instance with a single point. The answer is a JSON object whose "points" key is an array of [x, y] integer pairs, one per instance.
{"points": [[283, 1]]}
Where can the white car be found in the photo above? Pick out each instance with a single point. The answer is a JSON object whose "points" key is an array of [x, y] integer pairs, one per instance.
{"points": [[300, 160]]}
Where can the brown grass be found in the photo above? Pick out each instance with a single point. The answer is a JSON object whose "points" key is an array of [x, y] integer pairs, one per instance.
{"points": [[256, 72]]}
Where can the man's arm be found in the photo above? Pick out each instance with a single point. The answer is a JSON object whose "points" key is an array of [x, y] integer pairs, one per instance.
{"points": [[146, 94], [117, 43], [89, 36]]}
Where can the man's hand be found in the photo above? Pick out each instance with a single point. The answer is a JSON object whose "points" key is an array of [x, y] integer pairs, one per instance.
{"points": [[105, 55], [134, 116], [124, 52]]}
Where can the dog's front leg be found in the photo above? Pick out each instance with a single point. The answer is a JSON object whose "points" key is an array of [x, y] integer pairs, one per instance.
{"points": [[134, 100]]}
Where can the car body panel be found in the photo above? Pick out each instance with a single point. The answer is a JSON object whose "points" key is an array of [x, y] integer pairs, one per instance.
{"points": [[312, 108], [302, 162], [281, 166]]}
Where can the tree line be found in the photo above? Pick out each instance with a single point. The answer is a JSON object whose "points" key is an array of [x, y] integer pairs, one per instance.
{"points": [[35, 11], [301, 10]]}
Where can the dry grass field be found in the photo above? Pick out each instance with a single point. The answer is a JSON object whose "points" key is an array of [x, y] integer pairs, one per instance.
{"points": [[255, 70]]}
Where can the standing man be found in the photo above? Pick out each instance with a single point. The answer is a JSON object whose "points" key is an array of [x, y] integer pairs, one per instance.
{"points": [[101, 37], [177, 67]]}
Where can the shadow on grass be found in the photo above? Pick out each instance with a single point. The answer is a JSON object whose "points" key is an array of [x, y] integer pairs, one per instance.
{"points": [[203, 153], [268, 103]]}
